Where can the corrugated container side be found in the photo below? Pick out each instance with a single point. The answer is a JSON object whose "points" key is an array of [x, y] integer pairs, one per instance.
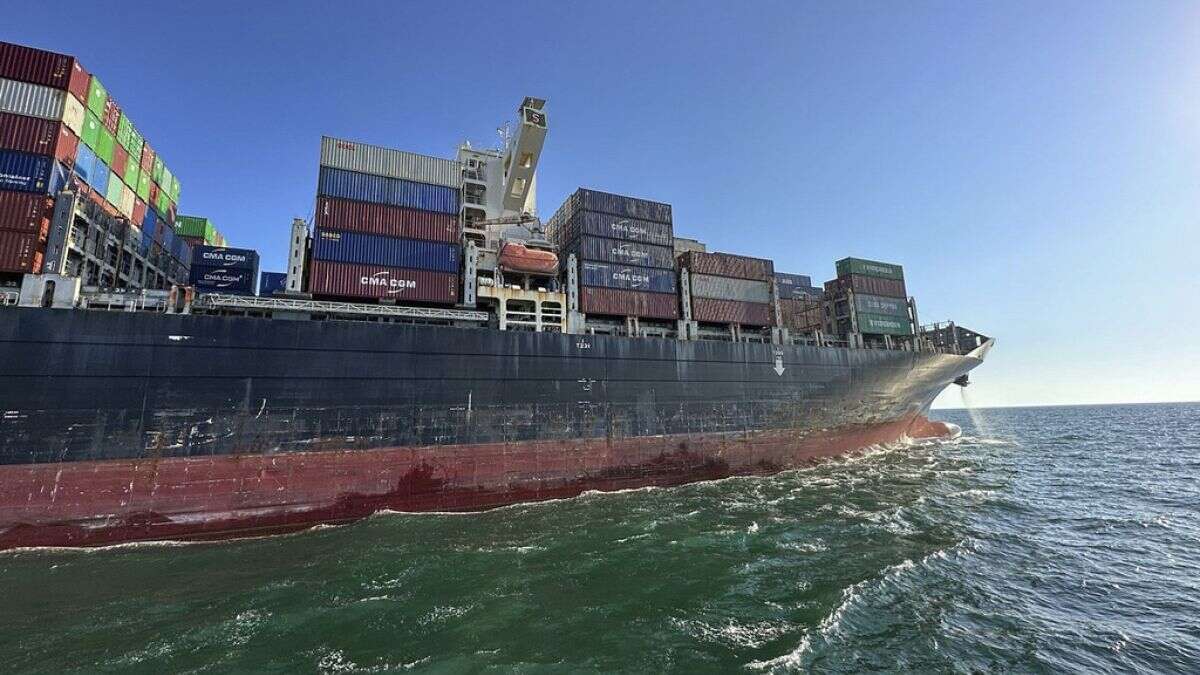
{"points": [[883, 325], [34, 100], [100, 176], [370, 249], [80, 81], [330, 278], [147, 240], [385, 220], [18, 62], [620, 302], [792, 285], [113, 193], [726, 288], [223, 279], [728, 265], [34, 135], [111, 118], [615, 227], [711, 310], [97, 97], [892, 288], [632, 207], [270, 282], [879, 304], [870, 268], [25, 212], [26, 172], [216, 256], [382, 190], [629, 277], [601, 249], [379, 161], [20, 252], [801, 315]]}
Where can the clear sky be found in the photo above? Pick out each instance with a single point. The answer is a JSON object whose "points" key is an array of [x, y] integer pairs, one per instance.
{"points": [[1034, 166]]}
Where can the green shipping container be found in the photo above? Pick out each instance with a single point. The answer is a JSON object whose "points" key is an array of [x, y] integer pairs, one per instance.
{"points": [[105, 145], [132, 174], [166, 181], [195, 226], [877, 324], [123, 128], [114, 189], [143, 186], [881, 305], [163, 205], [135, 145], [174, 189], [156, 172], [91, 130], [869, 268], [97, 97]]}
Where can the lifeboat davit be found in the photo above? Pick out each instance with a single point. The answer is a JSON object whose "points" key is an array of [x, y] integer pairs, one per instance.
{"points": [[520, 258]]}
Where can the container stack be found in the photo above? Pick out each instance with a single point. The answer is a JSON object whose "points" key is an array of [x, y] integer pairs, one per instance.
{"points": [[878, 295], [387, 225], [270, 283], [59, 124], [623, 246], [224, 270], [799, 303], [730, 289], [198, 231]]}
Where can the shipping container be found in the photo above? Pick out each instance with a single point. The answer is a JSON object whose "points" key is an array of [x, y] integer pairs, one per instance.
{"points": [[91, 131], [726, 288], [381, 190], [727, 265], [601, 249], [869, 268], [882, 305], [148, 156], [105, 145], [25, 172], [125, 201], [270, 283], [25, 212], [147, 237], [585, 199], [213, 256], [862, 284], [81, 82], [217, 279], [621, 302], [197, 227], [33, 100], [385, 220], [628, 277], [329, 278], [793, 286], [113, 193], [100, 176], [119, 159], [712, 310], [131, 174], [370, 249], [614, 227], [877, 324], [97, 97], [379, 161], [26, 64], [803, 315], [143, 185], [111, 117], [20, 252], [37, 136], [73, 115], [139, 213]]}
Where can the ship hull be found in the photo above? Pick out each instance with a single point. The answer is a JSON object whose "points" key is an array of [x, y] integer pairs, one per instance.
{"points": [[124, 427]]}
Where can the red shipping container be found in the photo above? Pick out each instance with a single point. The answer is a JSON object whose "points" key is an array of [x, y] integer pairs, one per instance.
{"points": [[728, 265], [153, 193], [709, 310], [38, 136], [389, 221], [120, 159], [26, 212], [20, 252], [112, 115], [621, 302], [139, 212], [373, 281], [81, 81], [147, 158], [801, 315], [892, 288], [38, 66]]}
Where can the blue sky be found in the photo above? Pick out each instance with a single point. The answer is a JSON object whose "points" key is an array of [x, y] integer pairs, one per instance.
{"points": [[1034, 166]]}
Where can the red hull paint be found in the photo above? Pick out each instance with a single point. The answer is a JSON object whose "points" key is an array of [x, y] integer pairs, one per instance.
{"points": [[107, 502]]}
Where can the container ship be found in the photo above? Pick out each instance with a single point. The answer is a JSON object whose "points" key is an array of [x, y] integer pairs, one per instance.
{"points": [[433, 345]]}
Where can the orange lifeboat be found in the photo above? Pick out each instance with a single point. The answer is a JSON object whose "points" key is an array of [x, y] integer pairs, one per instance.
{"points": [[519, 258]]}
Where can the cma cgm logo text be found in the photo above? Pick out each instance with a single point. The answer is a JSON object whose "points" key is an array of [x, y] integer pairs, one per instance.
{"points": [[382, 279], [629, 252], [223, 256]]}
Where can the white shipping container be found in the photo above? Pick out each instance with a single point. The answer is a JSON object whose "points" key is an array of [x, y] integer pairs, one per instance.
{"points": [[34, 100], [125, 203], [375, 160], [727, 288], [73, 114]]}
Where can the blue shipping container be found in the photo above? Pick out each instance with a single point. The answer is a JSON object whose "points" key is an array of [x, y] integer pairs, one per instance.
{"points": [[600, 249], [100, 177], [792, 286], [217, 279], [382, 190], [147, 239], [271, 282], [627, 276], [23, 172], [216, 256], [617, 227], [85, 163], [370, 249]]}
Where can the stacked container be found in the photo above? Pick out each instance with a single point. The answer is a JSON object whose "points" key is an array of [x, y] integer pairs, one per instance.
{"points": [[730, 289], [224, 270], [878, 294], [198, 231], [799, 302], [387, 225], [58, 123], [270, 283], [623, 246]]}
